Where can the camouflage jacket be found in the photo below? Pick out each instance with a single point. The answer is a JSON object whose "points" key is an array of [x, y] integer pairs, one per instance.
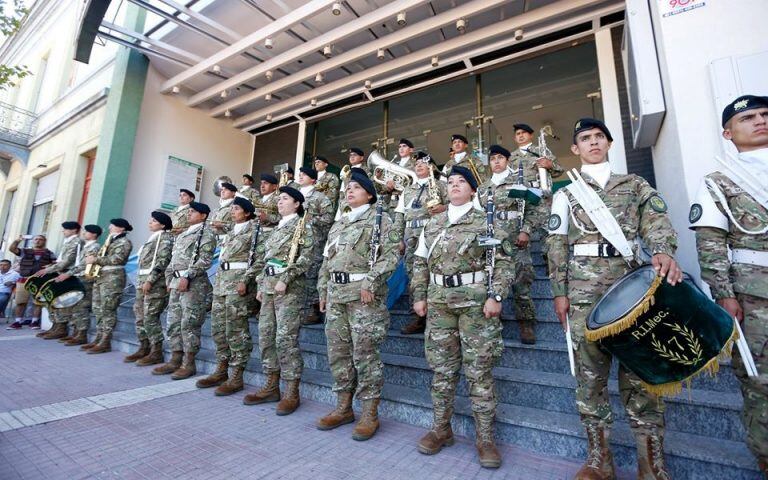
{"points": [[272, 216], [328, 185], [251, 193], [640, 212], [275, 256], [348, 250], [235, 248], [179, 219], [724, 277], [412, 207], [342, 204], [89, 248], [116, 255], [533, 215], [482, 169], [453, 249], [222, 214], [188, 257], [530, 155], [320, 213], [154, 257], [68, 256]]}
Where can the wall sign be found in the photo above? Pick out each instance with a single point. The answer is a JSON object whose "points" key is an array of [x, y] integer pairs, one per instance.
{"points": [[669, 8], [180, 174]]}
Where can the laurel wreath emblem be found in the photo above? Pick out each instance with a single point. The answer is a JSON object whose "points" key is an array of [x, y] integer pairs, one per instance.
{"points": [[690, 339]]}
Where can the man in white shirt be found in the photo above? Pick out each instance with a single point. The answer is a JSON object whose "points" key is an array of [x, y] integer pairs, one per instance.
{"points": [[8, 279]]}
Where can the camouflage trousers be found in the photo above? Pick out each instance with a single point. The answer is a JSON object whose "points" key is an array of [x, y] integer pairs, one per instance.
{"points": [[186, 315], [80, 318], [107, 291], [593, 365], [147, 309], [354, 334], [457, 336], [521, 287], [279, 323], [230, 329], [310, 289], [755, 389]]}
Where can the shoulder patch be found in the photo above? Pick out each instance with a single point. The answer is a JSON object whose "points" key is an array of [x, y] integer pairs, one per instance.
{"points": [[554, 222], [657, 203], [394, 236], [508, 246], [695, 214], [260, 248]]}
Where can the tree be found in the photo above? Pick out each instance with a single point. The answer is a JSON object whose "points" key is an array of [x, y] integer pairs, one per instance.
{"points": [[11, 18]]}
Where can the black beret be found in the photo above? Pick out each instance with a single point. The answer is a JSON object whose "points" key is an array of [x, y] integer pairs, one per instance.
{"points": [[248, 176], [493, 149], [122, 223], [244, 203], [71, 225], [200, 207], [405, 141], [163, 218], [424, 158], [357, 151], [229, 186], [290, 170], [456, 136], [269, 178], [93, 229], [466, 173], [321, 158], [188, 192], [589, 124], [742, 104], [361, 178], [522, 126], [297, 195], [310, 172]]}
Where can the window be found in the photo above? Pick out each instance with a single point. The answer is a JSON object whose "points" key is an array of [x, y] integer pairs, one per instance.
{"points": [[39, 78], [42, 205]]}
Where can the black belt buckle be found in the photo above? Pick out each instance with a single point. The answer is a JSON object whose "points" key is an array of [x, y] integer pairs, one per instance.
{"points": [[269, 270], [607, 250], [452, 281], [224, 266], [176, 274], [340, 277]]}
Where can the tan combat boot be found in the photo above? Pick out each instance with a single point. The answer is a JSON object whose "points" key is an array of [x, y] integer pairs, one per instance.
{"points": [[599, 463], [59, 330], [140, 353], [69, 336], [233, 384], [81, 338], [369, 421], [440, 436], [187, 369], [527, 333], [154, 356], [173, 364], [417, 325], [342, 415], [650, 457], [487, 453], [270, 392], [290, 401], [92, 344], [104, 345], [215, 379]]}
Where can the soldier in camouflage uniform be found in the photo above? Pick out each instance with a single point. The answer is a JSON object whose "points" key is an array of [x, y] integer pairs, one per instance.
{"points": [[187, 280], [451, 286], [221, 219], [320, 217], [353, 293], [519, 218], [229, 313], [460, 156], [269, 216], [356, 161], [81, 311], [327, 182], [405, 159], [179, 215], [287, 257], [151, 293], [67, 259], [727, 217], [415, 207], [109, 284], [248, 190], [579, 280]]}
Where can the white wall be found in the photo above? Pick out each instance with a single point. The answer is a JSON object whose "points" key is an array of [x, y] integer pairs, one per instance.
{"points": [[168, 127], [690, 136]]}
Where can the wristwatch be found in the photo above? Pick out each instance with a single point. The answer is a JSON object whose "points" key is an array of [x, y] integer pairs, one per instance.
{"points": [[495, 296]]}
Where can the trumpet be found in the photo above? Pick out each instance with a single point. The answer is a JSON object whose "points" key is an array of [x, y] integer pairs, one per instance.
{"points": [[384, 171]]}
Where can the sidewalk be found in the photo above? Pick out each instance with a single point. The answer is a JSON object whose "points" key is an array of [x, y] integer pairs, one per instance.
{"points": [[125, 423]]}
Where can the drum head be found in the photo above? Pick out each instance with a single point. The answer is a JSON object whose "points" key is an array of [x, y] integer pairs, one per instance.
{"points": [[68, 299], [621, 297]]}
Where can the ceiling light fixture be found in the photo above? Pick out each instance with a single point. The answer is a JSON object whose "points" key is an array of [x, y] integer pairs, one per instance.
{"points": [[461, 25], [313, 102], [268, 97], [224, 94], [268, 75], [327, 51], [227, 113], [269, 117], [216, 69], [435, 61], [175, 90], [268, 43], [336, 9], [519, 34], [380, 54], [368, 84], [319, 78], [401, 19]]}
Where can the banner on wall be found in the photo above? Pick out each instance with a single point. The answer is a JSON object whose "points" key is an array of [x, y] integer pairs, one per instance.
{"points": [[180, 174]]}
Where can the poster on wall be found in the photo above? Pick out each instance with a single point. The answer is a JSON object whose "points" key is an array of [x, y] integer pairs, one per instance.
{"points": [[180, 174], [669, 8]]}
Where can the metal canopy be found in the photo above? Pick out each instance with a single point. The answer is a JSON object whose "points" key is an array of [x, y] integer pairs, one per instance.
{"points": [[269, 63]]}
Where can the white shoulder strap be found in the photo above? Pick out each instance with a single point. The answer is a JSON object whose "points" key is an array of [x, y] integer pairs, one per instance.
{"points": [[724, 203], [741, 177]]}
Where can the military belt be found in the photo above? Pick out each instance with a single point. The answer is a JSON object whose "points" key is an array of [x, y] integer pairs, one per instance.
{"points": [[271, 270], [750, 257], [417, 223], [109, 268], [603, 250], [344, 277], [457, 280], [507, 215], [233, 266]]}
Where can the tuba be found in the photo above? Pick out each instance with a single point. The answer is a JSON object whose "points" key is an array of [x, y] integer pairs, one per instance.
{"points": [[218, 182], [545, 181], [384, 171], [282, 172]]}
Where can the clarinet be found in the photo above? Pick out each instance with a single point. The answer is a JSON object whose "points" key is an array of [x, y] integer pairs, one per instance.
{"points": [[375, 244], [254, 242], [490, 251]]}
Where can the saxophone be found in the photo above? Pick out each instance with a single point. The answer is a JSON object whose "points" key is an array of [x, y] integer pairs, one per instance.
{"points": [[92, 270], [298, 239], [375, 244], [433, 191]]}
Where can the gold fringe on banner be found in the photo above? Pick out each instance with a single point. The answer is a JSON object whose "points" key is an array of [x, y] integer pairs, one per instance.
{"points": [[630, 318]]}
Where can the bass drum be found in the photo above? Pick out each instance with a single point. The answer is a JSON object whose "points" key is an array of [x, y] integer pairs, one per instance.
{"points": [[46, 291]]}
